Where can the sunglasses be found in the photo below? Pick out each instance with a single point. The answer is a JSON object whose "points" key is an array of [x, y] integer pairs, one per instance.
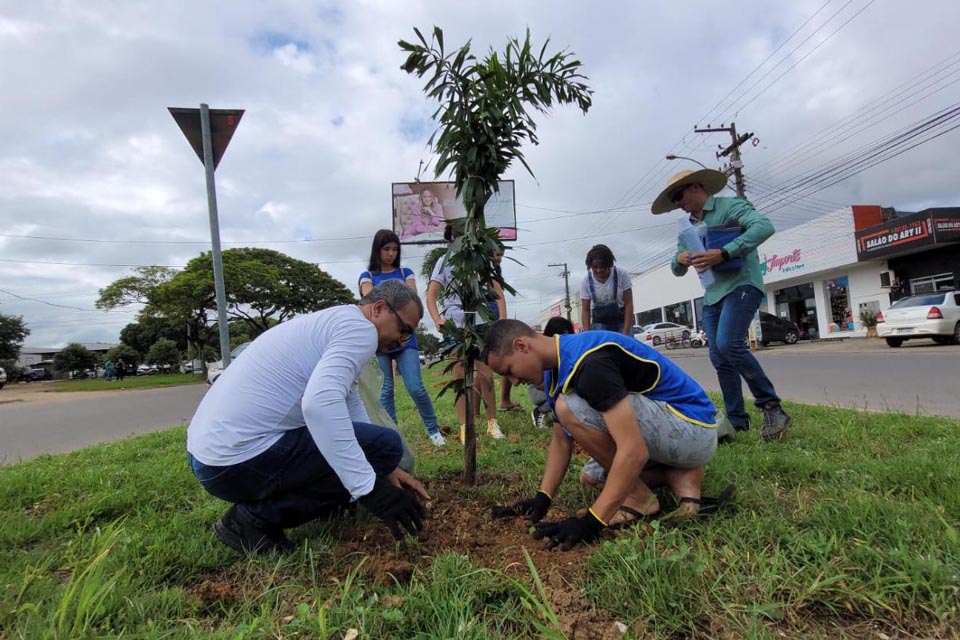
{"points": [[677, 195], [406, 331]]}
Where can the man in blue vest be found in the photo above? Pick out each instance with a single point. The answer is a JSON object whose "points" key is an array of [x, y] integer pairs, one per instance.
{"points": [[644, 420]]}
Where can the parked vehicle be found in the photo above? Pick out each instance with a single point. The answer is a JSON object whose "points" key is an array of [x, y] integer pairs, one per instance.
{"points": [[35, 374], [660, 332], [698, 339], [776, 329], [929, 315], [3, 377], [147, 370], [214, 369]]}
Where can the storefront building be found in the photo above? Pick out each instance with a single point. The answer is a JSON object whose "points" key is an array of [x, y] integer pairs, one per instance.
{"points": [[812, 276], [921, 250]]}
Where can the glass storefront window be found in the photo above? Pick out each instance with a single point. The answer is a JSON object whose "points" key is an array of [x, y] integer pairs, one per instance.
{"points": [[680, 313], [650, 316], [838, 295], [798, 304]]}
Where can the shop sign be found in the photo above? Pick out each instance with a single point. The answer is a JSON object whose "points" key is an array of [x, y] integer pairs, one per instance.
{"points": [[894, 236], [946, 225], [781, 263]]}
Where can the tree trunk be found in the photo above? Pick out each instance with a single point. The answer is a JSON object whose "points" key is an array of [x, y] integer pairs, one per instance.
{"points": [[470, 431]]}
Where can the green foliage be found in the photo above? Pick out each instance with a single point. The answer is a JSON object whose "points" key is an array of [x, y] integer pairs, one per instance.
{"points": [[846, 528], [135, 289], [164, 352], [74, 357], [429, 344], [13, 331], [484, 117], [868, 317], [128, 354], [262, 287]]}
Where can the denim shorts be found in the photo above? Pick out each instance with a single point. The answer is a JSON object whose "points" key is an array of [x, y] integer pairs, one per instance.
{"points": [[670, 440]]}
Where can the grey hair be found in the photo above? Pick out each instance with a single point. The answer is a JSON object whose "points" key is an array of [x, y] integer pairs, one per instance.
{"points": [[395, 293]]}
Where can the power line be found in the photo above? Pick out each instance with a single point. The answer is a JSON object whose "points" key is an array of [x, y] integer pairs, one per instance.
{"points": [[59, 306]]}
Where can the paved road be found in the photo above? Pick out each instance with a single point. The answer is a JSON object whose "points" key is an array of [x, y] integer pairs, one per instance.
{"points": [[36, 422], [924, 378]]}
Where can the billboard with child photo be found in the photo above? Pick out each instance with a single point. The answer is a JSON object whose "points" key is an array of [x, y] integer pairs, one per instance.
{"points": [[421, 210]]}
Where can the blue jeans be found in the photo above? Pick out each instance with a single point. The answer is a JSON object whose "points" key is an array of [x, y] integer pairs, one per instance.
{"points": [[291, 483], [408, 362], [599, 326], [726, 324]]}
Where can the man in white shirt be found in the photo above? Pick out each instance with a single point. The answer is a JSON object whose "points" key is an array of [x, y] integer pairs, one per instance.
{"points": [[284, 436]]}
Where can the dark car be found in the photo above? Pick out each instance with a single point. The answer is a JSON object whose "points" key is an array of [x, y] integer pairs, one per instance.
{"points": [[776, 329], [35, 374]]}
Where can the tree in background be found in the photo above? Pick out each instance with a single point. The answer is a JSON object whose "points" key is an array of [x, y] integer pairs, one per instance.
{"points": [[428, 343], [126, 353], [263, 287], [483, 121], [13, 332], [76, 358], [164, 352]]}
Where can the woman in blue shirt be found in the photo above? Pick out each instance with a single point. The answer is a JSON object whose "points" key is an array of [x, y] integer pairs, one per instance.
{"points": [[385, 265]]}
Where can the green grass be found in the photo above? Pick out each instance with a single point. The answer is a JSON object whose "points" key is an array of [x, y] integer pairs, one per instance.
{"points": [[129, 382], [848, 528]]}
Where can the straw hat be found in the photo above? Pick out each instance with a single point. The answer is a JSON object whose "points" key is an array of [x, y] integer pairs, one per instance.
{"points": [[713, 182]]}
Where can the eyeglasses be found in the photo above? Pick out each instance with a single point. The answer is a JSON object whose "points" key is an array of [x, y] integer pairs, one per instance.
{"points": [[406, 331], [677, 195]]}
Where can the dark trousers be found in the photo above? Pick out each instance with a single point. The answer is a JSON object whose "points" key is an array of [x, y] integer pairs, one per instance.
{"points": [[291, 483]]}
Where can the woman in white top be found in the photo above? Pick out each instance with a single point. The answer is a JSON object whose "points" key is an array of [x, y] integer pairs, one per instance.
{"points": [[453, 310], [606, 294]]}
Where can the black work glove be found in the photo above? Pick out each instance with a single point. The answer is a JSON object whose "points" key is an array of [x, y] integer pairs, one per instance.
{"points": [[570, 532], [395, 507], [535, 507]]}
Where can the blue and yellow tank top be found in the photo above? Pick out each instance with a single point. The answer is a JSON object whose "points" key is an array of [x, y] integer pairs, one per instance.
{"points": [[681, 393]]}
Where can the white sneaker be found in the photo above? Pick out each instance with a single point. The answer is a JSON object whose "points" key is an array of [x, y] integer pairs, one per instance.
{"points": [[437, 439], [493, 430]]}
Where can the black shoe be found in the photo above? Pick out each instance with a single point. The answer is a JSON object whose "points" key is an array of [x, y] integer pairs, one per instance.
{"points": [[242, 534], [775, 423]]}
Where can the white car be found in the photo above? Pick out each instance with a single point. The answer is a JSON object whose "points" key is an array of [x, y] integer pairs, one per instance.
{"points": [[214, 369], [3, 377], [929, 315], [659, 332]]}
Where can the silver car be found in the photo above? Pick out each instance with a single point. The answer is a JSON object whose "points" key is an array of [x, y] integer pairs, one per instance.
{"points": [[214, 369], [929, 315]]}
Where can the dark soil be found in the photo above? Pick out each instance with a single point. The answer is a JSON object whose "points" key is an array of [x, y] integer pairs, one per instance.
{"points": [[460, 522]]}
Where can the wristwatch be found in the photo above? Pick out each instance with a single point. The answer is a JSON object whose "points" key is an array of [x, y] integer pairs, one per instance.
{"points": [[724, 254]]}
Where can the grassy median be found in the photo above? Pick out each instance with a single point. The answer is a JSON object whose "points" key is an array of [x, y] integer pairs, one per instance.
{"points": [[847, 528], [129, 382]]}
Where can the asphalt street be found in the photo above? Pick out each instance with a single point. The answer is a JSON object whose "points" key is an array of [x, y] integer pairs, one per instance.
{"points": [[916, 378], [35, 422]]}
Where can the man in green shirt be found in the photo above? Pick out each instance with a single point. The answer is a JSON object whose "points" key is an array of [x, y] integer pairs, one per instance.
{"points": [[732, 300]]}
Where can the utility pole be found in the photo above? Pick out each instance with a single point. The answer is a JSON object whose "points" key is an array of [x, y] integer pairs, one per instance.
{"points": [[566, 285], [736, 164]]}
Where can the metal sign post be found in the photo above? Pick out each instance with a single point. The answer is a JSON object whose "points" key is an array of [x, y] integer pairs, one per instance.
{"points": [[215, 129]]}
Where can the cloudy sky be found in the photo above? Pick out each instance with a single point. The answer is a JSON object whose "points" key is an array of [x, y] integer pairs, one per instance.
{"points": [[96, 178]]}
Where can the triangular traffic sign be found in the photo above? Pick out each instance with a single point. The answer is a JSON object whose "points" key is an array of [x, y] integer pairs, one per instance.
{"points": [[223, 122]]}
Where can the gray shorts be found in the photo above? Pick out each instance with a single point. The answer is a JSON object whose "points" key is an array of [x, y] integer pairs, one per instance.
{"points": [[670, 440]]}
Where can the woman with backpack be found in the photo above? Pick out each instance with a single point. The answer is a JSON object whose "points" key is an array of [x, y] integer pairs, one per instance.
{"points": [[606, 294], [385, 265]]}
